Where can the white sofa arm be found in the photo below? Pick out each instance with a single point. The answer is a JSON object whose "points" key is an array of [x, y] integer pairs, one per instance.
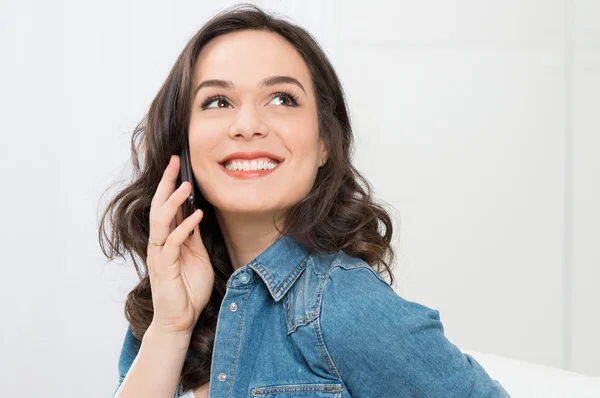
{"points": [[523, 379]]}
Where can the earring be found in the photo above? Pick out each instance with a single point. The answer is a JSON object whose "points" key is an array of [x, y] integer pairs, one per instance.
{"points": [[322, 162]]}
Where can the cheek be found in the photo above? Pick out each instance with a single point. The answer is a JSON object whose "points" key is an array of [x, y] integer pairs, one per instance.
{"points": [[299, 135], [205, 149], [204, 136]]}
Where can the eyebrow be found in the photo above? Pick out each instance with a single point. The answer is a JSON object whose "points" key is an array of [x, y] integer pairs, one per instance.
{"points": [[267, 81]]}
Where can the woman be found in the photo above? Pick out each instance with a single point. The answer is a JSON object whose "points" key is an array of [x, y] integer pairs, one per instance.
{"points": [[278, 290]]}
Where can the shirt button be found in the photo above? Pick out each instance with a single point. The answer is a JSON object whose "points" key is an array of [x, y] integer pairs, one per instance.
{"points": [[222, 376], [233, 307], [244, 278]]}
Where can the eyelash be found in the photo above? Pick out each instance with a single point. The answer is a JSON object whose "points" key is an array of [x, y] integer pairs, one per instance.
{"points": [[292, 97]]}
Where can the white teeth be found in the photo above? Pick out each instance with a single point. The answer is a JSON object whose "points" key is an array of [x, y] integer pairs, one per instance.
{"points": [[252, 165]]}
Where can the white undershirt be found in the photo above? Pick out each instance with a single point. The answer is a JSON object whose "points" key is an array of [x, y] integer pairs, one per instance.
{"points": [[189, 394]]}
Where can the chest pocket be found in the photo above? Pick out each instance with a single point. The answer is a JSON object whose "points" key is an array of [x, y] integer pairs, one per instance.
{"points": [[299, 391]]}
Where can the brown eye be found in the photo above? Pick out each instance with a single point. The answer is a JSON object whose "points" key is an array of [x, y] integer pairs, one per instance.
{"points": [[220, 101], [284, 99]]}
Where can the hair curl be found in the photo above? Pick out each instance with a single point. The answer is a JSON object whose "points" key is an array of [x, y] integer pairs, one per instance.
{"points": [[337, 214]]}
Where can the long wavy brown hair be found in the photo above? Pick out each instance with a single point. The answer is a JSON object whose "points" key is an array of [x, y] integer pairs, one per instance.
{"points": [[337, 214]]}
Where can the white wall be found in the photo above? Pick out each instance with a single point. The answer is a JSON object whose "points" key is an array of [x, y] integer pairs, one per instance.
{"points": [[476, 120], [583, 237], [470, 98]]}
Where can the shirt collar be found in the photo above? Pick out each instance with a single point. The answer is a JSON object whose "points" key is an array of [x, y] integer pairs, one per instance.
{"points": [[280, 265]]}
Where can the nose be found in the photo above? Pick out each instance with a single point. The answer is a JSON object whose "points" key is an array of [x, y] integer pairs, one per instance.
{"points": [[248, 122]]}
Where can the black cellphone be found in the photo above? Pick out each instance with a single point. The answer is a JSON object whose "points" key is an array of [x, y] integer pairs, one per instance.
{"points": [[185, 174]]}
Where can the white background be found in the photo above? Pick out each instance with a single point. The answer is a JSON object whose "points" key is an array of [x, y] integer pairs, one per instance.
{"points": [[477, 121]]}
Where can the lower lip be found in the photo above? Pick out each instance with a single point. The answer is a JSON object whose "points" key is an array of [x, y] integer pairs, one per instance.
{"points": [[250, 174]]}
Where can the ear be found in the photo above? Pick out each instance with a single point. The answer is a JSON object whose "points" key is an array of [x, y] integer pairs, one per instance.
{"points": [[323, 154]]}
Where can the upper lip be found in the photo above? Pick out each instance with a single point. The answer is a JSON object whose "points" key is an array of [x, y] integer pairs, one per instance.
{"points": [[251, 155]]}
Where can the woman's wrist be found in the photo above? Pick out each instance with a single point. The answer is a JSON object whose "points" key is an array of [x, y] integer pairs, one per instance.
{"points": [[168, 338]]}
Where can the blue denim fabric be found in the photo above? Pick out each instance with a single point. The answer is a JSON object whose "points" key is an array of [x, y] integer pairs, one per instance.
{"points": [[296, 324]]}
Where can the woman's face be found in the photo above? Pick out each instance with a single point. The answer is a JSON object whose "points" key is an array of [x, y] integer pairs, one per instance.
{"points": [[249, 116]]}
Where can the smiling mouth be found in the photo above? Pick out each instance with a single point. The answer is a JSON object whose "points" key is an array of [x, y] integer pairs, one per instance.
{"points": [[250, 166], [249, 174]]}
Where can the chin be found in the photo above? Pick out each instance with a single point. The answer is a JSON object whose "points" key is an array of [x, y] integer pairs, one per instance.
{"points": [[262, 205], [229, 199]]}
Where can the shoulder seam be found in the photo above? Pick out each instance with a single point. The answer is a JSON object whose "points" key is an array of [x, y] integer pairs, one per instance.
{"points": [[363, 264], [317, 324], [317, 327]]}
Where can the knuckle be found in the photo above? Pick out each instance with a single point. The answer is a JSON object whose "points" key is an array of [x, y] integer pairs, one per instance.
{"points": [[176, 199], [157, 223], [154, 223], [153, 205]]}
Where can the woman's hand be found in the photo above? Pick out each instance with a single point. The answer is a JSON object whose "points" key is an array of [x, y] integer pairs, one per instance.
{"points": [[181, 275]]}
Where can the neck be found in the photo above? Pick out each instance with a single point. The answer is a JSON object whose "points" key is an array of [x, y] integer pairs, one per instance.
{"points": [[247, 235]]}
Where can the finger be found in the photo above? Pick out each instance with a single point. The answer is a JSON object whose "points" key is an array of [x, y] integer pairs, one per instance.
{"points": [[196, 239], [159, 227], [167, 183], [177, 220], [179, 216], [171, 249], [196, 232], [172, 209], [162, 221]]}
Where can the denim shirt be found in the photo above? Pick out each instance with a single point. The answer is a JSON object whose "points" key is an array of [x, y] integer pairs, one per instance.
{"points": [[298, 324]]}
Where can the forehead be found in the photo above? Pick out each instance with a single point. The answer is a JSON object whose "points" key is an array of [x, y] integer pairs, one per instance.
{"points": [[246, 57]]}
